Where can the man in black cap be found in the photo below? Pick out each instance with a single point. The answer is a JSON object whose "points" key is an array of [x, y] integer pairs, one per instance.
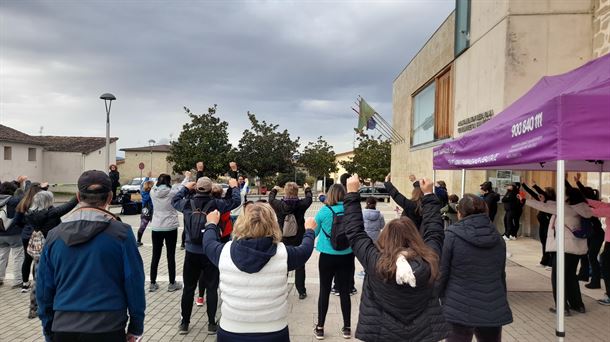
{"points": [[491, 199], [91, 276]]}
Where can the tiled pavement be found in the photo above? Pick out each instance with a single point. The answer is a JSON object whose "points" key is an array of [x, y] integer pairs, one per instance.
{"points": [[529, 297]]}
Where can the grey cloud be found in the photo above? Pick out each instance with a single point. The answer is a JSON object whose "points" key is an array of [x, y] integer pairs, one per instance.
{"points": [[299, 64]]}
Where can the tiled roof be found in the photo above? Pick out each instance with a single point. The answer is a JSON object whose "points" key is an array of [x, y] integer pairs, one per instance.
{"points": [[83, 145], [13, 135], [155, 148]]}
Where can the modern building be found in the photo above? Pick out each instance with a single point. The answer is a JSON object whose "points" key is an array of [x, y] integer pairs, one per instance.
{"points": [[154, 159], [481, 59], [58, 160]]}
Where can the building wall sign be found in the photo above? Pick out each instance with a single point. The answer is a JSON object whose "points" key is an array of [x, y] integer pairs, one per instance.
{"points": [[474, 121]]}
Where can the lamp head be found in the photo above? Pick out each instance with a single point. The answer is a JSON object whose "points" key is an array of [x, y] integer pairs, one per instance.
{"points": [[107, 96]]}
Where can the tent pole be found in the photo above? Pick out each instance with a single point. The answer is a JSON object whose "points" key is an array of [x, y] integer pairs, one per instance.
{"points": [[560, 239], [463, 183], [434, 176], [600, 184]]}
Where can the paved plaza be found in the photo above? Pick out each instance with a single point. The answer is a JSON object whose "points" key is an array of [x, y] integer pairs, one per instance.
{"points": [[529, 296]]}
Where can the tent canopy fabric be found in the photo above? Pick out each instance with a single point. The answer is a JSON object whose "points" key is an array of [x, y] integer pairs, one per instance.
{"points": [[563, 117]]}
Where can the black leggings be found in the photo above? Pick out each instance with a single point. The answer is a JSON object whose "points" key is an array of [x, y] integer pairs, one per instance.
{"points": [[115, 336], [594, 244], [339, 267], [511, 223], [170, 238], [26, 267], [462, 333], [573, 298], [196, 268]]}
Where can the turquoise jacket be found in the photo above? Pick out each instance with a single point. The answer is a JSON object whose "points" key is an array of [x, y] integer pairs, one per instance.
{"points": [[324, 220]]}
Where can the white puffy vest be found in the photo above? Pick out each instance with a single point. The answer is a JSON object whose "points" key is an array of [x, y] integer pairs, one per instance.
{"points": [[254, 303]]}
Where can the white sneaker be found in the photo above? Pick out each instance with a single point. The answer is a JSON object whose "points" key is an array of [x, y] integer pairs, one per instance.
{"points": [[505, 238], [548, 268], [513, 238]]}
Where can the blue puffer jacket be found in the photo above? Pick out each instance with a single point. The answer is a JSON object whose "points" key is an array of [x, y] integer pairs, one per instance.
{"points": [[473, 278]]}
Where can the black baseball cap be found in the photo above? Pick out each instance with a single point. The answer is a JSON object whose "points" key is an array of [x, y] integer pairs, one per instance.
{"points": [[94, 182]]}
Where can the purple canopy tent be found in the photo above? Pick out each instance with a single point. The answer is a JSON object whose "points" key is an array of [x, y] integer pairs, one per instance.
{"points": [[562, 124]]}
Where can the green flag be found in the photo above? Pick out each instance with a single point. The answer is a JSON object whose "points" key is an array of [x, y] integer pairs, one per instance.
{"points": [[366, 112]]}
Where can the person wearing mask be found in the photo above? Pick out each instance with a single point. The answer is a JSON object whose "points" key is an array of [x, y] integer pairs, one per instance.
{"points": [[26, 230], [10, 233], [401, 270], [233, 172], [164, 227], [411, 208], [491, 199], [513, 208], [450, 210], [601, 209], [91, 276], [333, 263], [290, 212], [196, 264], [254, 270], [472, 286], [147, 207], [576, 208], [440, 190], [544, 219], [114, 177]]}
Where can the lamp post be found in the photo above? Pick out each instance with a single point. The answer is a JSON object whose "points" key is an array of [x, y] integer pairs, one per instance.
{"points": [[151, 142], [295, 159], [108, 98]]}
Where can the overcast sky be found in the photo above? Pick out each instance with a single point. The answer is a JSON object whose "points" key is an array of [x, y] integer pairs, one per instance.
{"points": [[300, 64]]}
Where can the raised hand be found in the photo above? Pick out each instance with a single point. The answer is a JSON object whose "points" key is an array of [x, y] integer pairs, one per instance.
{"points": [[426, 185], [190, 185], [577, 177], [388, 178], [213, 217], [310, 223], [233, 183], [353, 183], [305, 186], [412, 178]]}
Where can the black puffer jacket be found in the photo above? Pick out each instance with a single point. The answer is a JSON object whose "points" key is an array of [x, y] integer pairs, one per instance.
{"points": [[295, 206], [388, 311], [409, 208], [491, 199], [47, 219], [473, 278]]}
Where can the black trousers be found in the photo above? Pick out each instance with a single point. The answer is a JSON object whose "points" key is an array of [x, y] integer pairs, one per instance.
{"points": [[462, 333], [197, 266], [594, 243], [170, 238], [605, 266], [543, 232], [115, 336], [26, 267], [339, 267], [511, 223], [573, 298]]}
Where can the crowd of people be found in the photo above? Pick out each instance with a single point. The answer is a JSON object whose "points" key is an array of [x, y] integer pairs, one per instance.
{"points": [[88, 278]]}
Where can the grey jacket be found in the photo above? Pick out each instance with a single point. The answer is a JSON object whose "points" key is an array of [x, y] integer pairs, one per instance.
{"points": [[373, 223], [165, 216]]}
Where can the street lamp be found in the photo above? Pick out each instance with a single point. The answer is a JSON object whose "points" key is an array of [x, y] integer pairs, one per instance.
{"points": [[295, 159], [108, 98], [151, 142]]}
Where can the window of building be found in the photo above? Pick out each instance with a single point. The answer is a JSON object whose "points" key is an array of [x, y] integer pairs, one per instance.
{"points": [[462, 26], [433, 111], [8, 153], [31, 154]]}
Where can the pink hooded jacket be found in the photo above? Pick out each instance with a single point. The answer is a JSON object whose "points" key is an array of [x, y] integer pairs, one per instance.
{"points": [[601, 209]]}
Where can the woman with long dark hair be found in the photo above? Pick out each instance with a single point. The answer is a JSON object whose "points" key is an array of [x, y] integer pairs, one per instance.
{"points": [[411, 208], [114, 178], [538, 194], [398, 301], [27, 229]]}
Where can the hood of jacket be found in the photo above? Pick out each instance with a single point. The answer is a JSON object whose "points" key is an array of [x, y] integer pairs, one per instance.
{"points": [[371, 214], [38, 218], [84, 224], [251, 255], [161, 191], [477, 230]]}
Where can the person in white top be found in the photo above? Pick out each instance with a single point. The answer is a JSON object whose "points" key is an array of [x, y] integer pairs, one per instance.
{"points": [[253, 274]]}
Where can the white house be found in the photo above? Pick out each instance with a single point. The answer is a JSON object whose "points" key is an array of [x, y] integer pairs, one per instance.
{"points": [[55, 159]]}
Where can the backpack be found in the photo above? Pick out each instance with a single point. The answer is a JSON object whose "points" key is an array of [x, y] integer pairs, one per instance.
{"points": [[197, 222], [5, 222], [36, 244], [225, 224], [338, 238], [585, 230], [290, 227]]}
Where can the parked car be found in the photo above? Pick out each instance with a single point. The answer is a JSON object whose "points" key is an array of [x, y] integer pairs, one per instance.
{"points": [[133, 186], [380, 193]]}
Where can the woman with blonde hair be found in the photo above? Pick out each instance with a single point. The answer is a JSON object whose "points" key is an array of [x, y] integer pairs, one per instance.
{"points": [[254, 270]]}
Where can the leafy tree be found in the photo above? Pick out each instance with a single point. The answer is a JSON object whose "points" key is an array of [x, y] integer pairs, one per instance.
{"points": [[264, 151], [205, 139], [371, 159], [284, 178], [319, 158]]}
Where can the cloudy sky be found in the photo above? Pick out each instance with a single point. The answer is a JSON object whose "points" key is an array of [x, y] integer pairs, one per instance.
{"points": [[300, 64]]}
